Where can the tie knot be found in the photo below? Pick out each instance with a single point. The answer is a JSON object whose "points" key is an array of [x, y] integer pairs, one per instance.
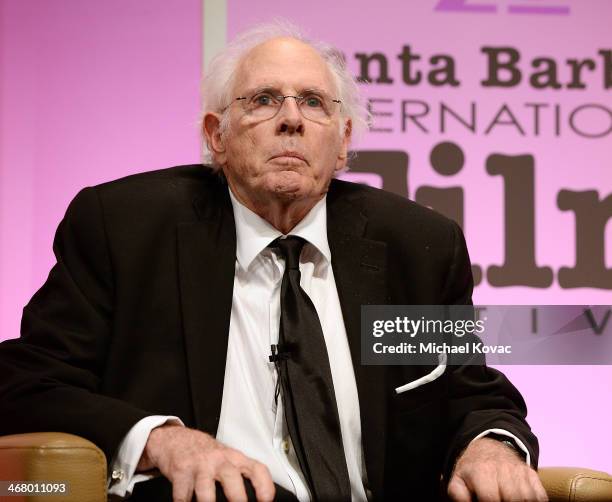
{"points": [[291, 247]]}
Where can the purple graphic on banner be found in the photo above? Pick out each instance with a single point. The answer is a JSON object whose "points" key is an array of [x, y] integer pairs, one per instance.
{"points": [[490, 8], [533, 9], [463, 6]]}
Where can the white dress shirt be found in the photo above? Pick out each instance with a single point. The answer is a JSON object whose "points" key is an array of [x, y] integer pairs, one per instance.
{"points": [[250, 419]]}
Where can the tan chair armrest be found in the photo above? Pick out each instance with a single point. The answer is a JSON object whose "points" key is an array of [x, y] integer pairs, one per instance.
{"points": [[55, 457], [573, 484]]}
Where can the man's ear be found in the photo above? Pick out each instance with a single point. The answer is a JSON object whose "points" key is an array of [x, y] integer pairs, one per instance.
{"points": [[346, 141], [211, 126]]}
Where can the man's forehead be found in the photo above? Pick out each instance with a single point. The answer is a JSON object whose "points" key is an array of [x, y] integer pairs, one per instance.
{"points": [[283, 63]]}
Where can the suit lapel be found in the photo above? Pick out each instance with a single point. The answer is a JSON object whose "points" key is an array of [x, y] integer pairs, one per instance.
{"points": [[359, 266], [207, 255]]}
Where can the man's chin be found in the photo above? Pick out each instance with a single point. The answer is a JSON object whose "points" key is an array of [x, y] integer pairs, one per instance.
{"points": [[289, 185]]}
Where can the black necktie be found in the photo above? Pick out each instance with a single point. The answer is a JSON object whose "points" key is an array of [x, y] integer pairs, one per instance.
{"points": [[308, 391]]}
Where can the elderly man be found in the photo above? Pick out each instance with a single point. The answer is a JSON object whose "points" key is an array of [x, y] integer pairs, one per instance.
{"points": [[201, 325]]}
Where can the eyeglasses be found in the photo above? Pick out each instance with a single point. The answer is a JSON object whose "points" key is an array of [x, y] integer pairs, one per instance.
{"points": [[313, 105]]}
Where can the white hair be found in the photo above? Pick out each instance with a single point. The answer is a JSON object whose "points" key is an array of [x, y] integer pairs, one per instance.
{"points": [[218, 81]]}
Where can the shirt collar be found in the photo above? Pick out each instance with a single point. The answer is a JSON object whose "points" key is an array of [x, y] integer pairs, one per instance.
{"points": [[253, 233]]}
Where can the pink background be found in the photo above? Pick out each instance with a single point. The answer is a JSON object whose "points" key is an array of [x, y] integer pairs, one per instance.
{"points": [[90, 91]]}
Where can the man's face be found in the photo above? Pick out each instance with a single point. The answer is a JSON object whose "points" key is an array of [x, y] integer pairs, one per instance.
{"points": [[287, 157]]}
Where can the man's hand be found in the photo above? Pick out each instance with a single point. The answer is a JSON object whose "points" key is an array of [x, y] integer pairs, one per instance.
{"points": [[193, 460], [493, 472]]}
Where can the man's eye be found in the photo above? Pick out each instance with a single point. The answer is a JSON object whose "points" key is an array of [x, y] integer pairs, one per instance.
{"points": [[313, 101], [263, 100]]}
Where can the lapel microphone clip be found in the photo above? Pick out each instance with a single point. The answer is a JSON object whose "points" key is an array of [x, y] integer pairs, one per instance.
{"points": [[280, 352]]}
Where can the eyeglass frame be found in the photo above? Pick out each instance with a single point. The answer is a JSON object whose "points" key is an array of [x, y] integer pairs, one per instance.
{"points": [[282, 98]]}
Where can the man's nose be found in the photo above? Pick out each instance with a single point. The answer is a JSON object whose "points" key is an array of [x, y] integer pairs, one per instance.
{"points": [[289, 118]]}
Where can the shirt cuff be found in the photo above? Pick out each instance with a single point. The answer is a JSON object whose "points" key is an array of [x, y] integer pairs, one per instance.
{"points": [[123, 477], [503, 432]]}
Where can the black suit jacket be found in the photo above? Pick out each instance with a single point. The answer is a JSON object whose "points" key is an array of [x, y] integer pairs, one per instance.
{"points": [[133, 320]]}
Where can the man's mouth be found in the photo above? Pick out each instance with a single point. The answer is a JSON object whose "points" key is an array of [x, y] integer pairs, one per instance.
{"points": [[290, 157]]}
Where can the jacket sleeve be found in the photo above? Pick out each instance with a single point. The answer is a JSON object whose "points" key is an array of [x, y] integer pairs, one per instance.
{"points": [[480, 398], [50, 378]]}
